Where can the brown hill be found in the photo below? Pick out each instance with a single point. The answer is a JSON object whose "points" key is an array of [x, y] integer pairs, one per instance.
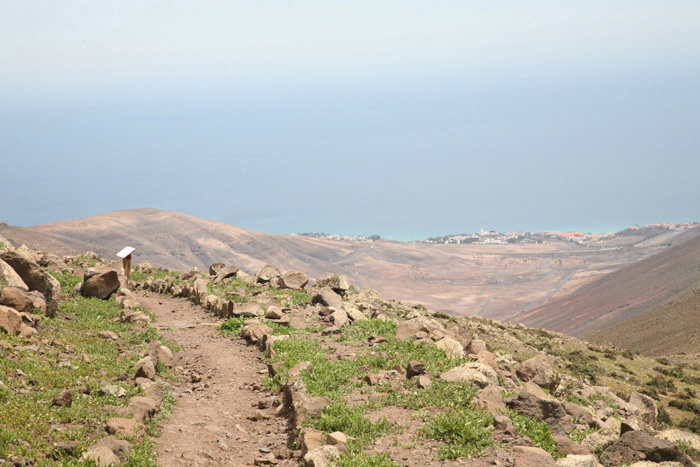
{"points": [[671, 330], [626, 294], [493, 281]]}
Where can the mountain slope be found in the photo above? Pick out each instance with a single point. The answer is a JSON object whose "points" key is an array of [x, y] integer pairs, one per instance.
{"points": [[628, 293]]}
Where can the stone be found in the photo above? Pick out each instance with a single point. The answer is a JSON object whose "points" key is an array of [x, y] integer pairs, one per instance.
{"points": [[108, 335], [165, 355], [472, 373], [452, 348], [112, 390], [10, 319], [200, 289], [310, 439], [338, 283], [675, 436], [267, 273], [646, 407], [215, 268], [327, 297], [27, 331], [123, 426], [639, 446], [255, 332], [424, 382], [535, 403], [338, 439], [539, 370], [414, 368], [102, 456], [321, 457], [573, 460], [249, 310], [224, 273], [35, 278], [63, 399], [490, 399], [566, 446], [487, 358], [530, 456], [354, 313], [294, 280], [601, 439], [274, 312], [10, 278], [580, 414], [339, 318], [120, 447], [409, 328], [100, 282], [143, 407], [146, 368]]}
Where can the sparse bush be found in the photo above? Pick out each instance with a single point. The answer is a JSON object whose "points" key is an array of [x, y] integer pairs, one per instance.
{"points": [[663, 416], [692, 424], [465, 433], [538, 432]]}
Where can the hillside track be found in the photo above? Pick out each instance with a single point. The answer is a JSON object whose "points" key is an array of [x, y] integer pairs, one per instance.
{"points": [[216, 420]]}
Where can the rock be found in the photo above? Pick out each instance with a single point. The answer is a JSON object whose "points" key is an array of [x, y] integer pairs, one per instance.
{"points": [[424, 381], [414, 368], [120, 447], [146, 368], [646, 407], [490, 399], [601, 439], [108, 335], [255, 332], [580, 414], [225, 272], [639, 446], [476, 346], [102, 456], [200, 289], [123, 426], [112, 390], [676, 436], [530, 456], [10, 278], [409, 328], [143, 407], [10, 319], [63, 399], [539, 370], [452, 348], [165, 355], [294, 280], [354, 313], [339, 318], [274, 312], [572, 460], [472, 373], [321, 457], [535, 403], [487, 358], [338, 439], [27, 331], [310, 439], [249, 310], [267, 273], [35, 278], [215, 268], [338, 283], [100, 282], [327, 297], [566, 446]]}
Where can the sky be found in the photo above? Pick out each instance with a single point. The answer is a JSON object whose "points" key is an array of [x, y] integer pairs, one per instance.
{"points": [[405, 119]]}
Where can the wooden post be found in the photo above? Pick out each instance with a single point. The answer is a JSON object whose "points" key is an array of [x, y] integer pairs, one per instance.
{"points": [[125, 255]]}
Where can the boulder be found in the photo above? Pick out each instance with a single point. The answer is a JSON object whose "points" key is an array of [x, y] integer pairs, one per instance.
{"points": [[539, 370], [10, 320], [339, 318], [100, 282], [215, 268], [294, 280], [323, 456], [22, 301], [472, 373], [146, 368], [409, 328], [452, 348], [490, 399], [354, 313], [327, 297], [267, 273], [250, 310], [223, 273], [35, 278], [102, 456], [9, 278], [533, 402], [63, 399], [531, 456], [338, 283], [573, 460], [639, 446], [581, 415], [645, 407]]}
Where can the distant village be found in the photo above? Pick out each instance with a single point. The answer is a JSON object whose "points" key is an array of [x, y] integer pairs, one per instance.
{"points": [[492, 237]]}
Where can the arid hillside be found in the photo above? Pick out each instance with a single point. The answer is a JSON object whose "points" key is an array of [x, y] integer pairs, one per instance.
{"points": [[627, 294], [495, 281]]}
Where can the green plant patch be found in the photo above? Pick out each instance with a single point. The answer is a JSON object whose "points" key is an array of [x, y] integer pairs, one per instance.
{"points": [[464, 433], [439, 394], [352, 422], [538, 432], [360, 331], [294, 296], [357, 457]]}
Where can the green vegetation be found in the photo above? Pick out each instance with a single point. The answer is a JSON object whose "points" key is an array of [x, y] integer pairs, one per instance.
{"points": [[538, 432], [464, 433], [71, 356]]}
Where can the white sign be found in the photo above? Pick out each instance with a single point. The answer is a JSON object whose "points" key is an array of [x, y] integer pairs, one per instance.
{"points": [[126, 252]]}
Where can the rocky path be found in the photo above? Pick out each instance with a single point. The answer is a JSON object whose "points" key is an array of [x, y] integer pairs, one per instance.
{"points": [[223, 416]]}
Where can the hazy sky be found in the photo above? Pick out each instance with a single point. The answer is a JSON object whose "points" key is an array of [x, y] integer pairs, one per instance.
{"points": [[405, 119]]}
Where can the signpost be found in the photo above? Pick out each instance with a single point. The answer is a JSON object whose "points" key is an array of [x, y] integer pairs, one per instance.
{"points": [[125, 255]]}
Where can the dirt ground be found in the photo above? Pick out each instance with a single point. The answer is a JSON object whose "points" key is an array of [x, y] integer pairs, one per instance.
{"points": [[216, 420]]}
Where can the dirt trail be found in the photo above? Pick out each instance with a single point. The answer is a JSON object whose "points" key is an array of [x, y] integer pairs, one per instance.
{"points": [[211, 423]]}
